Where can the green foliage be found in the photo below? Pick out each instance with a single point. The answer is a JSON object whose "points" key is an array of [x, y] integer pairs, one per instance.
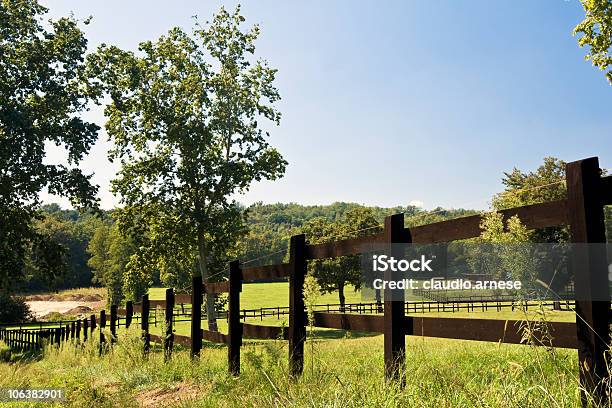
{"points": [[271, 225], [185, 119], [73, 239], [503, 250], [294, 215], [56, 257], [596, 33], [334, 274], [312, 293], [546, 183], [14, 310], [494, 230], [110, 253], [43, 90]]}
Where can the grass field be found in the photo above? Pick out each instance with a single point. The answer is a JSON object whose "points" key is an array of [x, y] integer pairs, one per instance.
{"points": [[256, 295], [342, 368], [342, 372], [271, 294]]}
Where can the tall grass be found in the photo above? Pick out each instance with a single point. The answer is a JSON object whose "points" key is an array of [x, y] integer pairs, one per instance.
{"points": [[348, 372]]}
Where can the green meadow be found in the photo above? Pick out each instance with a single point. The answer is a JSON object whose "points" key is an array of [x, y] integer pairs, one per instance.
{"points": [[341, 368], [345, 370]]}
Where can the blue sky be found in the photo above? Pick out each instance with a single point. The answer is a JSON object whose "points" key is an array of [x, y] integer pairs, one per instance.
{"points": [[388, 103]]}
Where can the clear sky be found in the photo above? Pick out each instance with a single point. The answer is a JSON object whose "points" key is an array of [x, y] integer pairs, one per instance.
{"points": [[392, 102]]}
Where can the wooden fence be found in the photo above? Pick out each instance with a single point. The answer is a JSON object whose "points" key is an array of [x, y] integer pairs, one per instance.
{"points": [[582, 211]]}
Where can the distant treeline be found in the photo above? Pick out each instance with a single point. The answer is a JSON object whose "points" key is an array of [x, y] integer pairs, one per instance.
{"points": [[269, 229]]}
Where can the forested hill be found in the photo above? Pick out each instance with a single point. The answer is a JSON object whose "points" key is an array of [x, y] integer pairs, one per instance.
{"points": [[270, 227], [294, 215]]}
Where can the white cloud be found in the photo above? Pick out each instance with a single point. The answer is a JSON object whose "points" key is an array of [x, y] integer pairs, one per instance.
{"points": [[416, 203]]}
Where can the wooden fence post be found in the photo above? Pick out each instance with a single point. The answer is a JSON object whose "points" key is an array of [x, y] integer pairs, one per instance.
{"points": [[233, 318], [144, 323], [85, 329], [394, 335], [102, 327], [589, 266], [78, 329], [92, 326], [113, 323], [196, 316], [129, 312], [169, 335], [297, 313]]}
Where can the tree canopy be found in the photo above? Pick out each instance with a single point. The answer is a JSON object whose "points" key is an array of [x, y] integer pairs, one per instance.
{"points": [[596, 33], [188, 117], [44, 88]]}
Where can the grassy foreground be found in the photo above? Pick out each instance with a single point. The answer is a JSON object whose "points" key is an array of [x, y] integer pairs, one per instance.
{"points": [[339, 373]]}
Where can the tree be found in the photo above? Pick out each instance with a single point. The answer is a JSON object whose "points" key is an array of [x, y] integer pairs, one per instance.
{"points": [[596, 33], [546, 183], [334, 274], [185, 121], [502, 250], [43, 89], [110, 253]]}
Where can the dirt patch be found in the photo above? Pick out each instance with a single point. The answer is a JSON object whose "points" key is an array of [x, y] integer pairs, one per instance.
{"points": [[44, 308], [90, 298], [64, 298], [34, 298], [79, 310], [163, 397]]}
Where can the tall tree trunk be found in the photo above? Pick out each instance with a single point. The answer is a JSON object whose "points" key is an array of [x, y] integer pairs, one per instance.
{"points": [[211, 316], [341, 296]]}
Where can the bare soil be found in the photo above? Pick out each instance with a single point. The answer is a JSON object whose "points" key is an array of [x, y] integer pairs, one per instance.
{"points": [[41, 308], [64, 298], [163, 397]]}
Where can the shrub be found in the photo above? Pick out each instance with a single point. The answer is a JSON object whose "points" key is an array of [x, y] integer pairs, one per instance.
{"points": [[5, 354], [14, 310]]}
